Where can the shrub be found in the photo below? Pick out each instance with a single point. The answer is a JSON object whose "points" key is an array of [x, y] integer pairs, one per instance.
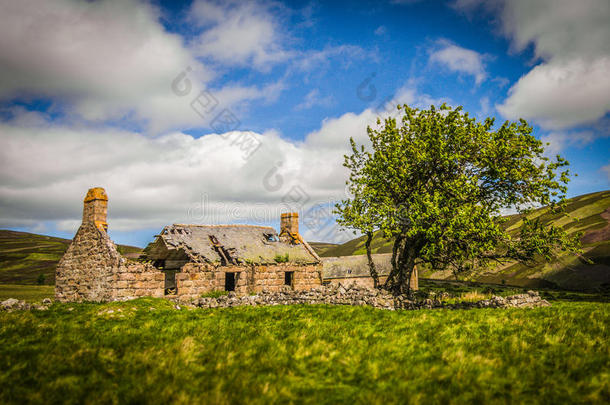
{"points": [[214, 294], [281, 258]]}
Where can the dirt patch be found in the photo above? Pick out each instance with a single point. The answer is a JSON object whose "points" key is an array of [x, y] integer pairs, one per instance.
{"points": [[599, 235]]}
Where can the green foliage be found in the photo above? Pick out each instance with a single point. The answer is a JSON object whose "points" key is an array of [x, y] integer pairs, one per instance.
{"points": [[214, 294], [144, 351], [281, 258], [582, 214], [436, 185], [41, 279]]}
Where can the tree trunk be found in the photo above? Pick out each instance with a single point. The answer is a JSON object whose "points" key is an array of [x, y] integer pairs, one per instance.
{"points": [[369, 256], [403, 266], [389, 282]]}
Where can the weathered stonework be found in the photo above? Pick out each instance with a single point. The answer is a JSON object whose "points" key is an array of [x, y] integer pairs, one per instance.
{"points": [[86, 271], [93, 270], [355, 295], [196, 279], [133, 279], [355, 269], [187, 261]]}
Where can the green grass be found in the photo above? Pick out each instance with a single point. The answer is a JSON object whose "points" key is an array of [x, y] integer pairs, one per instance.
{"points": [[214, 294], [282, 258], [321, 247], [144, 351], [30, 293]]}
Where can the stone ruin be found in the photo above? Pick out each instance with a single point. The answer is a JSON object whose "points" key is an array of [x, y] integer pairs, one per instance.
{"points": [[190, 260], [184, 260], [254, 264]]}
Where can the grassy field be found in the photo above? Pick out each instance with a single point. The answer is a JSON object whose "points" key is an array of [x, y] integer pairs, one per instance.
{"points": [[145, 351], [30, 293]]}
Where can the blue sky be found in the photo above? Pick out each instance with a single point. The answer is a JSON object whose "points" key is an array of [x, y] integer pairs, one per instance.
{"points": [[91, 94]]}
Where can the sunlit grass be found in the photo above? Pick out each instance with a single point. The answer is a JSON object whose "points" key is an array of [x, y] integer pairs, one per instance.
{"points": [[30, 293], [144, 351]]}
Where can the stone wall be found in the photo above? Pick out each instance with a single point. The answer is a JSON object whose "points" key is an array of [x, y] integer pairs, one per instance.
{"points": [[271, 277], [350, 294], [86, 271], [196, 279], [134, 279], [93, 270], [356, 269], [363, 281]]}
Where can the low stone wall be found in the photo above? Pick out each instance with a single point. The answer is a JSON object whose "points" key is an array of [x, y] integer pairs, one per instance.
{"points": [[331, 295], [356, 295], [134, 279], [13, 304]]}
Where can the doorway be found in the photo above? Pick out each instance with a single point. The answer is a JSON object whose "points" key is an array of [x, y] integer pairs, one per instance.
{"points": [[289, 278], [229, 281]]}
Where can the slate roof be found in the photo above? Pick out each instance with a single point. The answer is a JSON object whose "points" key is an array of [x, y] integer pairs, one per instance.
{"points": [[229, 244]]}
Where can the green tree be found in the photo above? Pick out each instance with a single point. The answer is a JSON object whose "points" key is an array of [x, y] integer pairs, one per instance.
{"points": [[437, 184]]}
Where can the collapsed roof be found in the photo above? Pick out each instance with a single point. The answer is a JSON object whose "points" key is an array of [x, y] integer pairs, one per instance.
{"points": [[227, 245]]}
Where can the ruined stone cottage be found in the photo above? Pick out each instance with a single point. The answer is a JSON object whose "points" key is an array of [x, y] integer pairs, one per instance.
{"points": [[184, 260], [190, 260]]}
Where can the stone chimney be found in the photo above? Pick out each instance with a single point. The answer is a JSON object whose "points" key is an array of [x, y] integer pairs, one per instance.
{"points": [[289, 226], [95, 208]]}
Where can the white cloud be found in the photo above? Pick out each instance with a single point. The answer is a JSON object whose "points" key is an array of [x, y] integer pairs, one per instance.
{"points": [[561, 94], [175, 178], [485, 106], [319, 59], [105, 60], [559, 141], [238, 33], [571, 85], [460, 60], [564, 139], [313, 98], [155, 181]]}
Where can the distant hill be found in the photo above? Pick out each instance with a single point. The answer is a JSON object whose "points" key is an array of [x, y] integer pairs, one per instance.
{"points": [[589, 213], [321, 247], [25, 256]]}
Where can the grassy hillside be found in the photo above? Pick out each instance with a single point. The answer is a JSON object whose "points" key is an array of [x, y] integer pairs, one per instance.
{"points": [[589, 213], [321, 247], [145, 351], [25, 256]]}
